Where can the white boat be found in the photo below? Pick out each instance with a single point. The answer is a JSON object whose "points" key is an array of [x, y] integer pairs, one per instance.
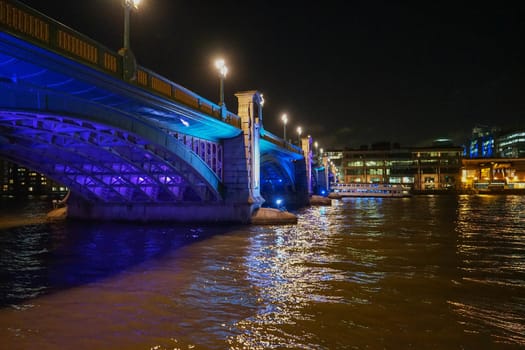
{"points": [[369, 190]]}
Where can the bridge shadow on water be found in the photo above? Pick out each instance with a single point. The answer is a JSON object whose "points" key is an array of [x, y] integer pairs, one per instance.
{"points": [[40, 259]]}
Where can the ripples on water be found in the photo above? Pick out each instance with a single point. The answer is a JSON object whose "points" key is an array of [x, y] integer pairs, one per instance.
{"points": [[428, 272], [491, 248]]}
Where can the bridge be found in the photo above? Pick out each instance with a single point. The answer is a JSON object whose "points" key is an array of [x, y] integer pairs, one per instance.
{"points": [[129, 143]]}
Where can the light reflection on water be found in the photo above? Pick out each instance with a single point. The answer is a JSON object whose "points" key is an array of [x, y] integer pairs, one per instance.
{"points": [[425, 272], [292, 268], [491, 248]]}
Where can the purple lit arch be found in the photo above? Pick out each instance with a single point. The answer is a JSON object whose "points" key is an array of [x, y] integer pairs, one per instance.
{"points": [[103, 163]]}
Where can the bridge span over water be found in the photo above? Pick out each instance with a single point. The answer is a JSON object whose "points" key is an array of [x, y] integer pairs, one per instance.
{"points": [[129, 143]]}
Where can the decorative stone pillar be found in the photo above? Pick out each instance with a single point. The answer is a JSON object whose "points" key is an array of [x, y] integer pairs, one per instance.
{"points": [[241, 163], [306, 146], [250, 111]]}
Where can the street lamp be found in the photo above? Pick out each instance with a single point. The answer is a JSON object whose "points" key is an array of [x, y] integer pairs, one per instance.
{"points": [[299, 132], [130, 65], [128, 4], [223, 70], [284, 118]]}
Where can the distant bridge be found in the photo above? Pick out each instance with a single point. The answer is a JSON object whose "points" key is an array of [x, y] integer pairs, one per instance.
{"points": [[129, 143]]}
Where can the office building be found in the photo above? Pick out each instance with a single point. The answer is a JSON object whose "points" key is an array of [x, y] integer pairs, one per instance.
{"points": [[435, 167], [16, 180]]}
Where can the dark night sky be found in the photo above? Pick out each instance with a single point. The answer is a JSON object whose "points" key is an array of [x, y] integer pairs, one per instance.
{"points": [[348, 72]]}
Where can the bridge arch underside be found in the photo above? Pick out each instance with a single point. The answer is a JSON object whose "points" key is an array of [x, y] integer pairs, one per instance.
{"points": [[277, 180], [99, 163]]}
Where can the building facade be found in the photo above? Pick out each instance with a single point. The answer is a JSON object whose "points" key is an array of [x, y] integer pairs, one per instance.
{"points": [[494, 159], [511, 145], [493, 143], [16, 180], [493, 173], [419, 168]]}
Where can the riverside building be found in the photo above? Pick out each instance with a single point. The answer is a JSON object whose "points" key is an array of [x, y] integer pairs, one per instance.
{"points": [[437, 167], [490, 160], [16, 180], [494, 159]]}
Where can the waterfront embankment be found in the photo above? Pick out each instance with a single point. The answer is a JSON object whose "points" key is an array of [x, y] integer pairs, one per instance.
{"points": [[6, 223]]}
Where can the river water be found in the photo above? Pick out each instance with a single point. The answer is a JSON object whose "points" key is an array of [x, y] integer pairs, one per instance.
{"points": [[427, 272]]}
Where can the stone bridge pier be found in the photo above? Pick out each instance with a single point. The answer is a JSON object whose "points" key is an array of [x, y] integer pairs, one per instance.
{"points": [[241, 174]]}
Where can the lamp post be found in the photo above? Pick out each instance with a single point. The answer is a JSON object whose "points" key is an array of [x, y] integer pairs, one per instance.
{"points": [[128, 4], [223, 70], [125, 52], [284, 119], [299, 132]]}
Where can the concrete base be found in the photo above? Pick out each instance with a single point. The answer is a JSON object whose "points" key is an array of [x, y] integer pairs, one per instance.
{"points": [[174, 212], [261, 216], [271, 216], [320, 200], [57, 214], [334, 195]]}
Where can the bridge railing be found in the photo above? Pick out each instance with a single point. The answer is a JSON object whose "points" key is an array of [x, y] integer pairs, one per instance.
{"points": [[169, 89], [31, 25], [276, 140]]}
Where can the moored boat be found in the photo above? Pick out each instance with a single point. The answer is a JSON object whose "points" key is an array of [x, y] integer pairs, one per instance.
{"points": [[369, 190]]}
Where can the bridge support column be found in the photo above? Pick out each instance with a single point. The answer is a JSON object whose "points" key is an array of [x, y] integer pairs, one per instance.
{"points": [[326, 177], [306, 146], [241, 163], [301, 197]]}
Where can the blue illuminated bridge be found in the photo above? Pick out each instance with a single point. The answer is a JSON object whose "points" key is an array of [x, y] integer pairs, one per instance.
{"points": [[129, 143]]}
